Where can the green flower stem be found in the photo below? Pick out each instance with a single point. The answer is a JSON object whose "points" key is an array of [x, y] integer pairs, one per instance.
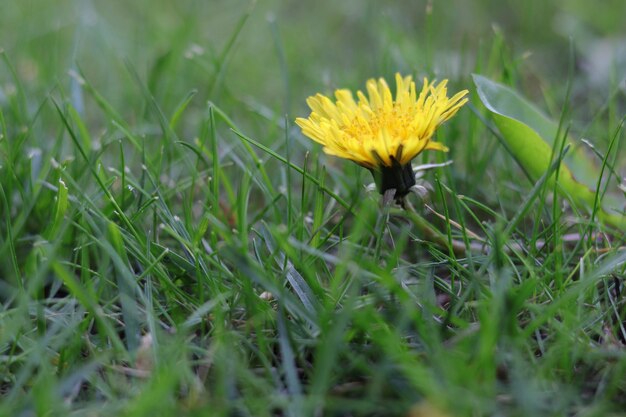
{"points": [[431, 234]]}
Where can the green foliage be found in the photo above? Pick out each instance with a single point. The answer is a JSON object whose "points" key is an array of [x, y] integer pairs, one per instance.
{"points": [[533, 140], [170, 244]]}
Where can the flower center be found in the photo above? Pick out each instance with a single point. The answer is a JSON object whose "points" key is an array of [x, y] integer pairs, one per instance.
{"points": [[395, 124]]}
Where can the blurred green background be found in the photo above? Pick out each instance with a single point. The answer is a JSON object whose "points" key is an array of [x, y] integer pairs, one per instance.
{"points": [[288, 49]]}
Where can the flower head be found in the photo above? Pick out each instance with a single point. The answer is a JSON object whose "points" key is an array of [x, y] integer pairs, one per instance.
{"points": [[379, 132]]}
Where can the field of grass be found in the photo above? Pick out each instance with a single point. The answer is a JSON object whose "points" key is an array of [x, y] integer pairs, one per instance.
{"points": [[172, 245]]}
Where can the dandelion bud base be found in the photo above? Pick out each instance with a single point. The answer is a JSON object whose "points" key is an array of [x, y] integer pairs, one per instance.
{"points": [[399, 177]]}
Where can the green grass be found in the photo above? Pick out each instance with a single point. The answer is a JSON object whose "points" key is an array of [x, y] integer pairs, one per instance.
{"points": [[171, 245]]}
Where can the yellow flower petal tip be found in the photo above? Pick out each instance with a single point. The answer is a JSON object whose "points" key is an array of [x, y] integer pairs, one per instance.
{"points": [[380, 132]]}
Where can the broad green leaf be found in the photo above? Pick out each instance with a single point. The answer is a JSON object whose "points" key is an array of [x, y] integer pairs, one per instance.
{"points": [[529, 136]]}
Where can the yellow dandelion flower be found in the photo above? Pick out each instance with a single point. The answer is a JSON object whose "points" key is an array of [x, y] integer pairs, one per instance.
{"points": [[379, 132]]}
